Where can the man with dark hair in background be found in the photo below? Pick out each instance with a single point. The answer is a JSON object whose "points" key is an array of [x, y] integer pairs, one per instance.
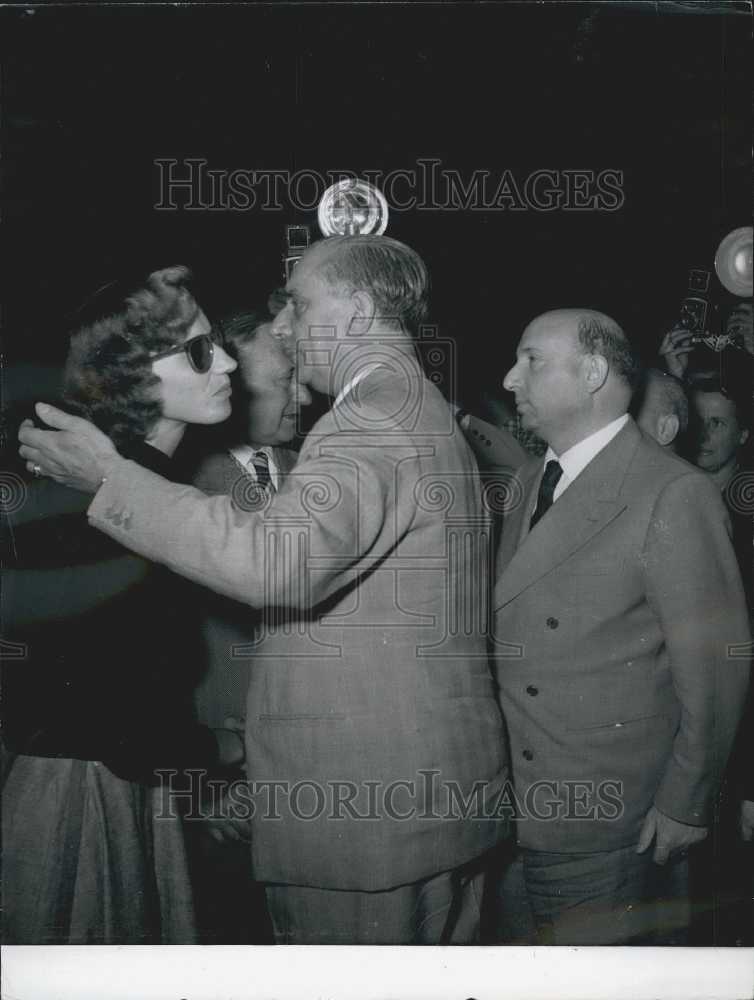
{"points": [[618, 584], [267, 397], [248, 464]]}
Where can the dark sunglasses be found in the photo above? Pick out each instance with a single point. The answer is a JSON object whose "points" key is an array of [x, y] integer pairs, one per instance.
{"points": [[200, 350]]}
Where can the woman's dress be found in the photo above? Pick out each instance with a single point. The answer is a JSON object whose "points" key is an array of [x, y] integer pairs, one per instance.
{"points": [[99, 655]]}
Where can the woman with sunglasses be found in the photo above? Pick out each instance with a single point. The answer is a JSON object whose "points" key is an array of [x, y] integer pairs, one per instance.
{"points": [[93, 848]]}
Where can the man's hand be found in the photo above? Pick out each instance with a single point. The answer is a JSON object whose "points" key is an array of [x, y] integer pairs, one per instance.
{"points": [[225, 826], [740, 326], [675, 349], [746, 820], [669, 835], [76, 454]]}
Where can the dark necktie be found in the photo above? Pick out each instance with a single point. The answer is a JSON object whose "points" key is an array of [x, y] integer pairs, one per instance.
{"points": [[550, 480], [261, 464]]}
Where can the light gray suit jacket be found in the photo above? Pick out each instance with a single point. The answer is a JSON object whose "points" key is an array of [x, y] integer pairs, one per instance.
{"points": [[616, 627], [229, 629], [373, 686]]}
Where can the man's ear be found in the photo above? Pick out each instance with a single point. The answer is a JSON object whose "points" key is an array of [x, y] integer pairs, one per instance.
{"points": [[363, 316], [597, 369], [744, 437], [668, 426]]}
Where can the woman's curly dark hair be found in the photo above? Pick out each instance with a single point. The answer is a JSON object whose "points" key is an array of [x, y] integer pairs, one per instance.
{"points": [[108, 376]]}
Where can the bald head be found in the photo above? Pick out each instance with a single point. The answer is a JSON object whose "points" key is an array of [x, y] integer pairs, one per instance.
{"points": [[574, 374], [599, 334]]}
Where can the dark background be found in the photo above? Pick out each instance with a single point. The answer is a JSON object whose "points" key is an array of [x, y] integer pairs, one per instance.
{"points": [[92, 96]]}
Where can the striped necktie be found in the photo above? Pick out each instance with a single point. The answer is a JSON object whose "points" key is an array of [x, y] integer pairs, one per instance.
{"points": [[261, 463]]}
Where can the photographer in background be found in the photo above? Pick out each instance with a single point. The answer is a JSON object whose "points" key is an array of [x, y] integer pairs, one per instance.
{"points": [[679, 343], [719, 385]]}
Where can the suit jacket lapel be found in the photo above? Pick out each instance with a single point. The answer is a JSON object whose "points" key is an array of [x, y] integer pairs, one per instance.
{"points": [[514, 524], [589, 503], [234, 470], [285, 459]]}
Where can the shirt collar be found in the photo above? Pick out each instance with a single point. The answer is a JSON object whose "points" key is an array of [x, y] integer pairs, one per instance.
{"points": [[244, 453]]}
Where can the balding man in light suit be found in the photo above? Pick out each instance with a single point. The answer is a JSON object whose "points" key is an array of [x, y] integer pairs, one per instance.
{"points": [[371, 717], [618, 583]]}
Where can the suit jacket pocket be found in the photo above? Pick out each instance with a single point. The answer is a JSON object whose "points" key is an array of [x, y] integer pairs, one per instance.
{"points": [[596, 567], [615, 724], [300, 718], [619, 697]]}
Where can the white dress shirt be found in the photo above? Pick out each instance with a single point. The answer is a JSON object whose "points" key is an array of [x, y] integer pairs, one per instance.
{"points": [[576, 459]]}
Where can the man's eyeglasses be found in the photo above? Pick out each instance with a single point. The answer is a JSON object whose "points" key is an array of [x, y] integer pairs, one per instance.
{"points": [[200, 350]]}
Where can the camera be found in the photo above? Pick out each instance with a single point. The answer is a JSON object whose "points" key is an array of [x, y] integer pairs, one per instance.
{"points": [[297, 240], [350, 207], [706, 310], [699, 313]]}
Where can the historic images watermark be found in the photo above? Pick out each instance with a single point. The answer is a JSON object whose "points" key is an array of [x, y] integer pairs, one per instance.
{"points": [[13, 492], [13, 650], [425, 797], [739, 493], [192, 184]]}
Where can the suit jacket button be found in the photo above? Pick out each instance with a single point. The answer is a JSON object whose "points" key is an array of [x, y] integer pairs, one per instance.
{"points": [[552, 623], [533, 691], [528, 755]]}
